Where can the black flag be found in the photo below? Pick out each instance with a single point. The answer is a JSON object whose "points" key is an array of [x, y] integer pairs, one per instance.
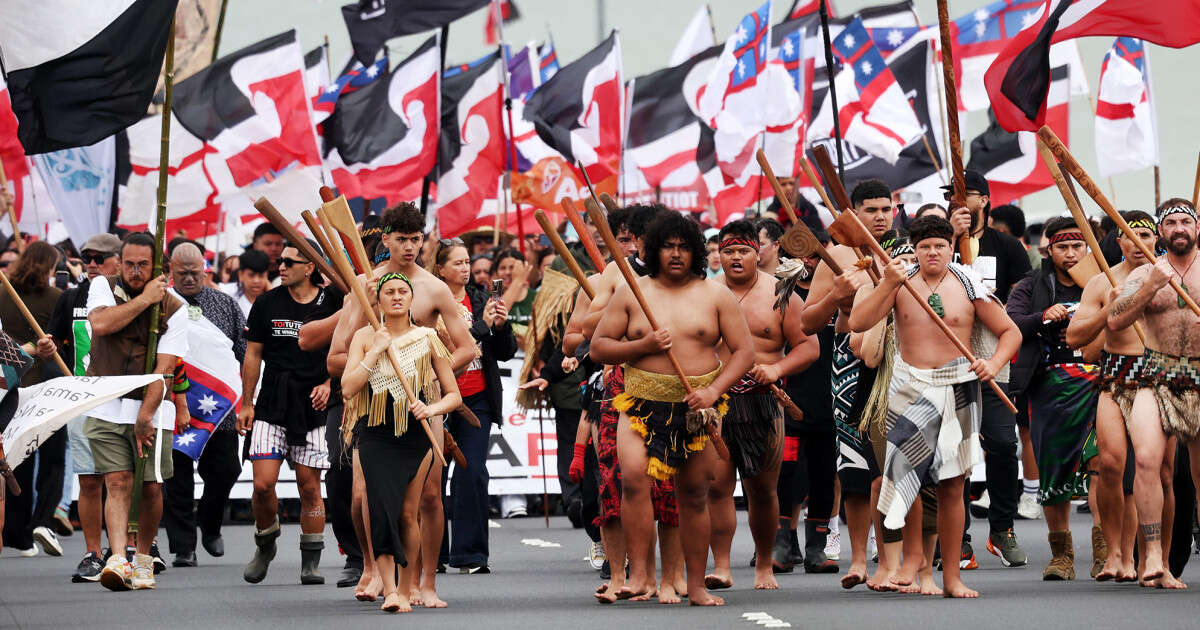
{"points": [[372, 22]]}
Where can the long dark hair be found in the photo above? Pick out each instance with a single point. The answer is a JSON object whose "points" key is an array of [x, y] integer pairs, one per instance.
{"points": [[32, 273], [669, 225]]}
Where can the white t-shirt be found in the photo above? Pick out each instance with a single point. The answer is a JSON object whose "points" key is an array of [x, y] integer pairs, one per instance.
{"points": [[173, 342]]}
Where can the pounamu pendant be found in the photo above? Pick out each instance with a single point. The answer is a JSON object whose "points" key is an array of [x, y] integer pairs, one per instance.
{"points": [[935, 302], [1179, 298]]}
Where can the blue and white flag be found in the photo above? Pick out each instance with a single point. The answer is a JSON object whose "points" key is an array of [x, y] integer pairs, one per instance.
{"points": [[80, 182], [215, 384]]}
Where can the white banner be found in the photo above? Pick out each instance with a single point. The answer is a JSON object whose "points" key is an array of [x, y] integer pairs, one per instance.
{"points": [[524, 445], [46, 407], [80, 182]]}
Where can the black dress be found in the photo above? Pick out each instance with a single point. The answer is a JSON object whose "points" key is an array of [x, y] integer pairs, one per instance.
{"points": [[389, 464]]}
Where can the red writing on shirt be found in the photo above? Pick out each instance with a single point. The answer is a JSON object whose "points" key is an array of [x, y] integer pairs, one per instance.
{"points": [[285, 328]]}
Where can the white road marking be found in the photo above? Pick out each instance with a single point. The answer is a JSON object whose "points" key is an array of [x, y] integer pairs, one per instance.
{"points": [[765, 620], [538, 542]]}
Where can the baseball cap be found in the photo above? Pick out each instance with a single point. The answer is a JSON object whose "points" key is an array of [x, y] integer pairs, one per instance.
{"points": [[973, 181], [104, 243]]}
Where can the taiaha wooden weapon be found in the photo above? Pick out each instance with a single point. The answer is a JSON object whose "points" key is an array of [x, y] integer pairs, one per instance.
{"points": [[1068, 195], [160, 227], [318, 232], [610, 204], [808, 240], [294, 237], [565, 254], [1071, 165], [1195, 186], [842, 204], [847, 227], [714, 433], [585, 237], [812, 178], [957, 183]]}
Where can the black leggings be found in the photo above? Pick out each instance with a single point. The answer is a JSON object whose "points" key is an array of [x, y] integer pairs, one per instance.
{"points": [[808, 469]]}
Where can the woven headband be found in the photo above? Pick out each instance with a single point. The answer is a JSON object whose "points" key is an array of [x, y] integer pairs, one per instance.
{"points": [[734, 241], [1176, 209], [903, 248], [387, 277], [1065, 235], [1143, 223]]}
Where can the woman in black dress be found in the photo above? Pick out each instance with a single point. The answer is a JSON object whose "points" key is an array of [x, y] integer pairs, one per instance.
{"points": [[393, 449]]}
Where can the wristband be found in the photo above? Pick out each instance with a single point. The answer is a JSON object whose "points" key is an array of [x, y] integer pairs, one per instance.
{"points": [[580, 450]]}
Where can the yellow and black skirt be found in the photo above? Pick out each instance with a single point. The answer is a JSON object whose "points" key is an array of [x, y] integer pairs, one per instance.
{"points": [[654, 405]]}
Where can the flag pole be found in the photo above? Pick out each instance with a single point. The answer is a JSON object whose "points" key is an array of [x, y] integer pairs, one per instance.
{"points": [[512, 142], [160, 227], [837, 125], [959, 187], [428, 181], [712, 24], [221, 29], [328, 68], [1157, 190], [12, 215]]}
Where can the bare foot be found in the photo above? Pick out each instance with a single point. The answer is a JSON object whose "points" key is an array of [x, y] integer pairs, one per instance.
{"points": [[606, 594], [959, 590], [1171, 583], [414, 597], [764, 580], [1127, 573], [704, 598], [370, 587], [680, 587], [928, 586], [630, 591], [394, 603], [645, 597], [879, 582], [716, 581], [667, 594], [855, 576], [1152, 573], [430, 599]]}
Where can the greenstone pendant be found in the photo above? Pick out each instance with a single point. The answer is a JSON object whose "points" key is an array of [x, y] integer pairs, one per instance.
{"points": [[1179, 298], [935, 302]]}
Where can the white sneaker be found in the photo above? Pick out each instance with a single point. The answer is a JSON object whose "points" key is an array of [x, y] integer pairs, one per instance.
{"points": [[143, 571], [983, 502], [872, 547], [118, 573], [28, 553], [833, 543], [1028, 508], [596, 556], [47, 540]]}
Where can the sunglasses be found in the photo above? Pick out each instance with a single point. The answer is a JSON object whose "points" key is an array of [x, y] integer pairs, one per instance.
{"points": [[288, 262], [949, 195], [447, 242], [95, 257]]}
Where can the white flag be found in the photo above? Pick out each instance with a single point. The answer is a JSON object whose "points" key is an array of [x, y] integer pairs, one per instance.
{"points": [[80, 182], [697, 37]]}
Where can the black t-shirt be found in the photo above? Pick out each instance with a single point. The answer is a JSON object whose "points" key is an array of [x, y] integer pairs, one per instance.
{"points": [[274, 321], [1053, 335], [806, 388], [1002, 261], [68, 323]]}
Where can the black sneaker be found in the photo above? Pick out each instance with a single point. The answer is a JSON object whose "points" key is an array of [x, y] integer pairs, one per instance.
{"points": [[89, 569], [104, 554], [605, 571], [160, 565], [475, 569]]}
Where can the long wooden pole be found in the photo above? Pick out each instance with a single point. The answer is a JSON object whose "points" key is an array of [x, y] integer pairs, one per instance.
{"points": [[812, 178], [294, 236], [1068, 195], [823, 9], [840, 199], [1196, 186], [564, 253], [713, 432], [1157, 189], [865, 235], [342, 264], [11, 212], [959, 186], [797, 224], [585, 237], [1071, 165], [29, 319]]}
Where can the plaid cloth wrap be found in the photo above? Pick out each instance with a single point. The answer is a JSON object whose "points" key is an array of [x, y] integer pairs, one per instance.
{"points": [[1176, 384]]}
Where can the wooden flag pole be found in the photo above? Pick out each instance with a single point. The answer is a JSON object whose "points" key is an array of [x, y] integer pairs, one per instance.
{"points": [[1071, 165], [1072, 200], [714, 433], [564, 253], [959, 186], [12, 215], [37, 330], [850, 221]]}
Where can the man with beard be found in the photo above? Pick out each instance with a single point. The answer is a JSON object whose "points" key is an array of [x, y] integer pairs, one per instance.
{"points": [[1120, 372], [933, 399], [851, 381], [1169, 393], [140, 423], [288, 420], [661, 432], [1002, 261], [1060, 385], [753, 426]]}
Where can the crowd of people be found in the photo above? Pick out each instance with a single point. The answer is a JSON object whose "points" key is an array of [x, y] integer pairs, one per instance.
{"points": [[712, 366]]}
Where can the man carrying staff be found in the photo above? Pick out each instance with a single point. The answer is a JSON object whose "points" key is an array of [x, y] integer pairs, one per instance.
{"points": [[140, 423], [832, 295], [934, 397], [661, 430], [1060, 385], [288, 419], [753, 426], [1169, 393], [1120, 372], [403, 234]]}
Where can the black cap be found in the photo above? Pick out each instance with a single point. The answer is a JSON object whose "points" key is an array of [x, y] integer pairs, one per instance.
{"points": [[973, 181]]}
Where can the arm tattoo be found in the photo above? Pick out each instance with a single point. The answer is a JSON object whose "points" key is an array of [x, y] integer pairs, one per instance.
{"points": [[1152, 531], [1125, 299]]}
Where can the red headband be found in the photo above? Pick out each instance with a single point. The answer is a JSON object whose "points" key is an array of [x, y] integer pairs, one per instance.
{"points": [[731, 241], [1064, 235]]}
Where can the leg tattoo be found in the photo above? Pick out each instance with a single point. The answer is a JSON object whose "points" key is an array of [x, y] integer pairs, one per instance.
{"points": [[1152, 531]]}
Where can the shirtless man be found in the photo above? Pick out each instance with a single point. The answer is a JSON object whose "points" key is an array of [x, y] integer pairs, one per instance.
{"points": [[832, 295], [653, 438], [1169, 393], [403, 236], [929, 371], [753, 426], [1120, 371]]}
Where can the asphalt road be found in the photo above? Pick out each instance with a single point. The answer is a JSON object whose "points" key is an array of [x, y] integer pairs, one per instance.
{"points": [[537, 585]]}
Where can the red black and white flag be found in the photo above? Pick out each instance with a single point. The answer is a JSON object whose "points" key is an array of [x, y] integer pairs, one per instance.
{"points": [[1019, 80], [372, 22], [471, 146], [381, 140], [508, 12], [578, 111], [77, 79], [1126, 130]]}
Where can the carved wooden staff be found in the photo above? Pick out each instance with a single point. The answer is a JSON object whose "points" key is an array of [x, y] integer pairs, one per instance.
{"points": [[841, 200], [317, 231], [1068, 195], [807, 236], [711, 428], [849, 227], [564, 253], [1068, 162], [293, 236], [585, 237], [958, 185]]}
